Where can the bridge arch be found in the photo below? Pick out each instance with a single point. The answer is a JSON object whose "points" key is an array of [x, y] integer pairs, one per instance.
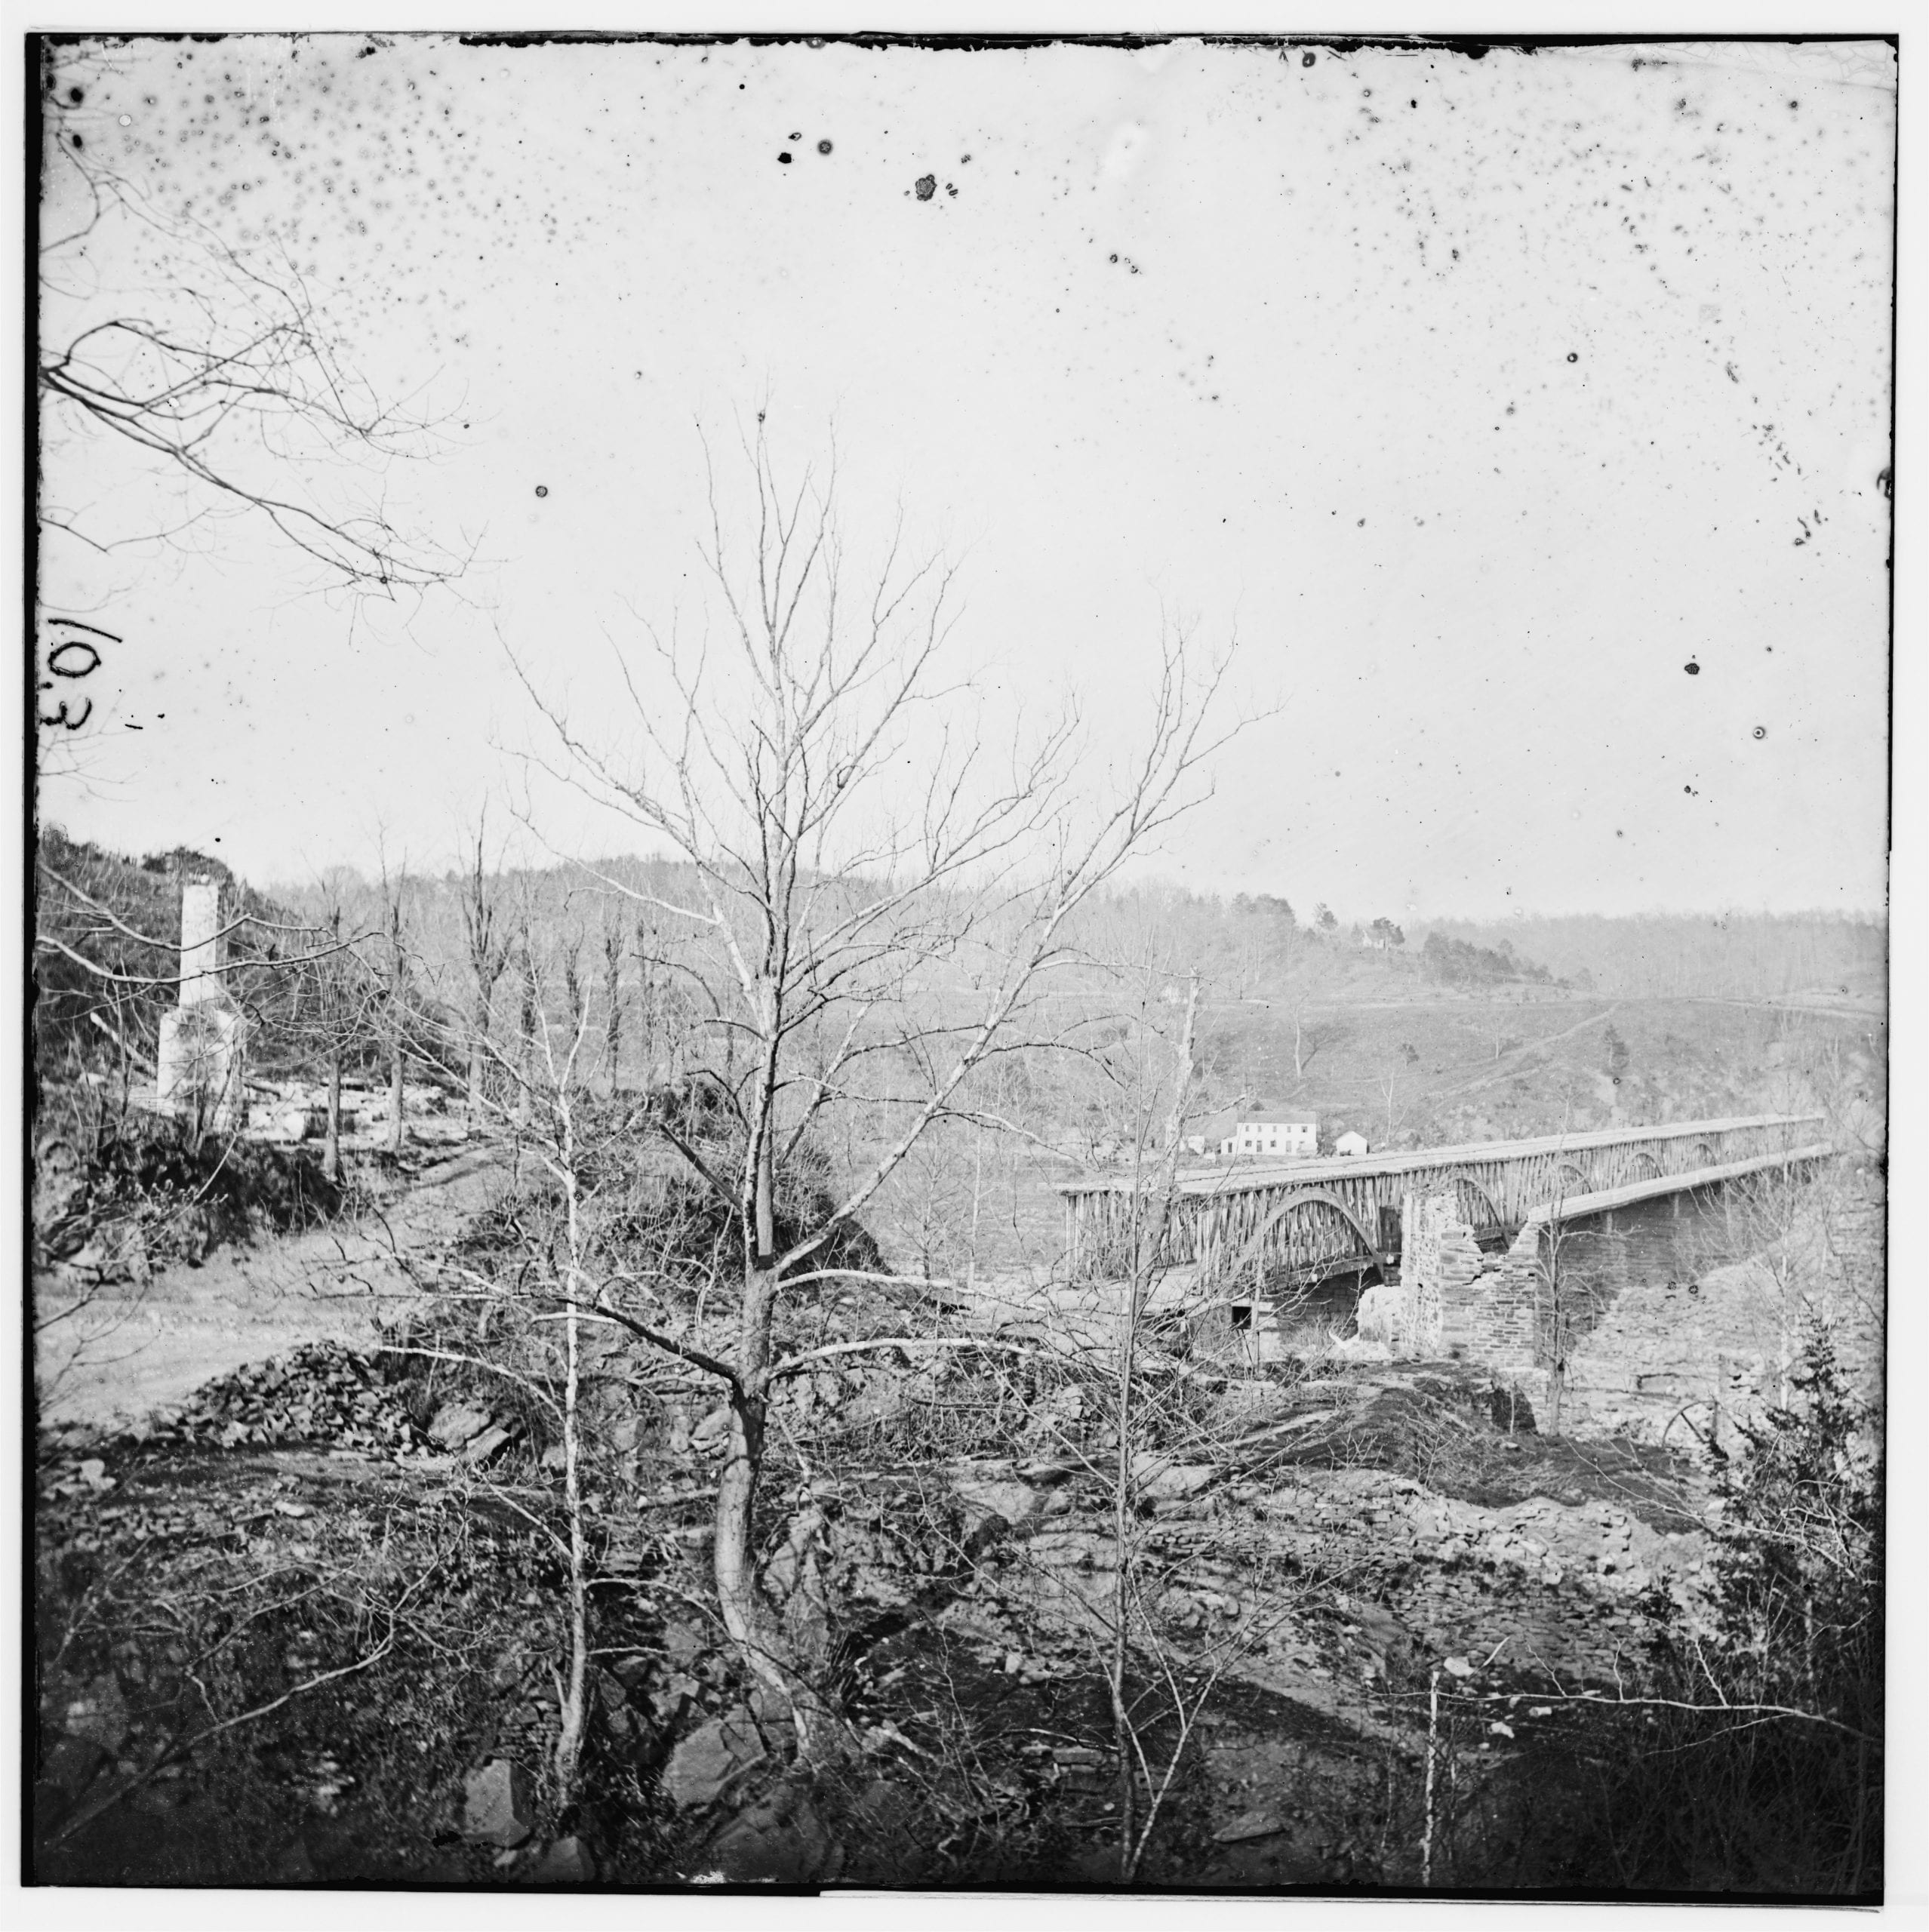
{"points": [[1307, 1197], [1570, 1179], [1467, 1183], [1645, 1167]]}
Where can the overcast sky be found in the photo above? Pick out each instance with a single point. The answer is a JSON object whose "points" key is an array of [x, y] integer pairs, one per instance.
{"points": [[1481, 399]]}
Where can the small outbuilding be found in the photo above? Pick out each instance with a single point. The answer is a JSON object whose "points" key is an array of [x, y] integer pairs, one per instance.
{"points": [[1352, 1143]]}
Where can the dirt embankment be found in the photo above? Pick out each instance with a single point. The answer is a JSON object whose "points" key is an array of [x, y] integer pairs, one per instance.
{"points": [[110, 1354]]}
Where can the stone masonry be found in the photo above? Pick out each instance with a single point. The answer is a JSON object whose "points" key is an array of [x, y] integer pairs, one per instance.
{"points": [[199, 1068], [1452, 1300]]}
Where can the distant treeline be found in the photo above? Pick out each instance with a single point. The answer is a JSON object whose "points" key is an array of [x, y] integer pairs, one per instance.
{"points": [[1675, 955]]}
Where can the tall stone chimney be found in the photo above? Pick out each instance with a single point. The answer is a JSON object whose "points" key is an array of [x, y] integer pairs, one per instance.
{"points": [[201, 947], [199, 1068]]}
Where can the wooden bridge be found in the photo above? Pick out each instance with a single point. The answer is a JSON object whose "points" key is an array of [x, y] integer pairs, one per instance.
{"points": [[1236, 1221]]}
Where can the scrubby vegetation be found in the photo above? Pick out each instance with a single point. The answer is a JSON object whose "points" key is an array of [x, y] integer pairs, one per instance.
{"points": [[278, 1637], [119, 1190]]}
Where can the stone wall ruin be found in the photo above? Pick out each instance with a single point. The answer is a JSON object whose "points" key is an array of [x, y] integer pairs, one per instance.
{"points": [[1451, 1301]]}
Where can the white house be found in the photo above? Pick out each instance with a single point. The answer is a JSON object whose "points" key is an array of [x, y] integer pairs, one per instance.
{"points": [[1352, 1143], [1273, 1139]]}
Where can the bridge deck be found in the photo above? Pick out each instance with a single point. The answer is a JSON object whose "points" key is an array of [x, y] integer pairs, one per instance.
{"points": [[1236, 1176], [1293, 1216], [1575, 1206]]}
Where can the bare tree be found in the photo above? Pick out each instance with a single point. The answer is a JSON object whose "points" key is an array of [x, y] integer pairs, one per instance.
{"points": [[1167, 1618], [869, 950], [613, 948], [394, 998], [1146, 1259], [1389, 1085], [488, 948], [541, 1081], [1305, 987], [336, 997], [528, 1012]]}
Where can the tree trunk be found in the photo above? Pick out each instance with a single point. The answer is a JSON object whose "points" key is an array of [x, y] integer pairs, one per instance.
{"points": [[527, 1044], [747, 1615], [473, 1119], [744, 1614], [396, 1130], [331, 1147], [573, 1709], [613, 993], [767, 1198]]}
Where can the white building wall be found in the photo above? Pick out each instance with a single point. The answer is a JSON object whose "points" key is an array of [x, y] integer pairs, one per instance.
{"points": [[1273, 1140]]}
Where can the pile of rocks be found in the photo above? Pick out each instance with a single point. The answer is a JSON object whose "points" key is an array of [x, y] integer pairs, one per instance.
{"points": [[476, 1433], [323, 1393]]}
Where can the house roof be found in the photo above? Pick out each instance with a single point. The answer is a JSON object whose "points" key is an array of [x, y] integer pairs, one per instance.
{"points": [[1220, 1123]]}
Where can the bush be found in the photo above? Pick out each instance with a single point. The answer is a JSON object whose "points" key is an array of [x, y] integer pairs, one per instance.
{"points": [[186, 1195], [1783, 1793]]}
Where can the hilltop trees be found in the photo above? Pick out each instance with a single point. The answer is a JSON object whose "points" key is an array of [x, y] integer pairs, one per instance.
{"points": [[869, 945], [1458, 962]]}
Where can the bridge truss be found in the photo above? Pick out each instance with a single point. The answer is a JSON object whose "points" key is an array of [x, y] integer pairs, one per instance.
{"points": [[1235, 1221]]}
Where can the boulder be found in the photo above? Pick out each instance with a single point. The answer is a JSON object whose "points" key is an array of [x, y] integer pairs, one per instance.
{"points": [[1262, 1822], [1012, 1503], [705, 1764], [780, 1841], [686, 1643], [483, 1446], [566, 1862], [495, 1805], [1158, 1478], [455, 1423]]}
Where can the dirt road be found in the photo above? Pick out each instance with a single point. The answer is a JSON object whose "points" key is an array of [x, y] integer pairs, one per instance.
{"points": [[124, 1351]]}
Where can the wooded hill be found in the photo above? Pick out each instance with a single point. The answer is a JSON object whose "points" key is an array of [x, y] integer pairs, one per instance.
{"points": [[1460, 1032]]}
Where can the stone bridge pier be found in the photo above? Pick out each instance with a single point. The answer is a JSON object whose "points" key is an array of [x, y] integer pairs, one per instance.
{"points": [[1453, 1301]]}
